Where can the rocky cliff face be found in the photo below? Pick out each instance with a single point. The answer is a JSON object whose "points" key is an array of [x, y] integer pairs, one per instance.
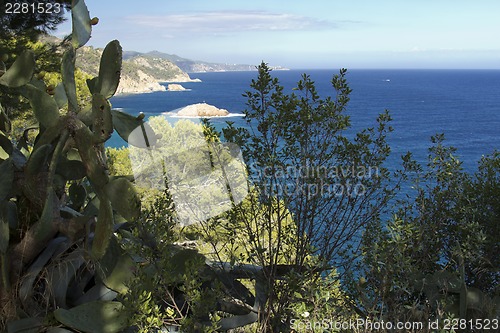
{"points": [[140, 74]]}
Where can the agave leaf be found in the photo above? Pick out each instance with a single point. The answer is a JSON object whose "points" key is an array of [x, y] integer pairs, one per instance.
{"points": [[4, 236], [9, 211], [26, 289], [103, 230], [94, 317], [7, 172], [38, 159], [81, 23], [44, 106], [134, 131], [109, 70], [123, 198], [99, 292], [21, 71], [18, 158], [61, 275], [26, 325], [68, 77]]}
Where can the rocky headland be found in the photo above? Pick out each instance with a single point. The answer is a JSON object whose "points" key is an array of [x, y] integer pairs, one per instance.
{"points": [[175, 87], [202, 110], [140, 74]]}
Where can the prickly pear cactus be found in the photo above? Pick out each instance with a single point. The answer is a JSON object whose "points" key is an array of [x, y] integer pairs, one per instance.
{"points": [[62, 183]]}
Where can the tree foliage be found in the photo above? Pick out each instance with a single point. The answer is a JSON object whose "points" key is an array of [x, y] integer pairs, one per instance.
{"points": [[437, 257]]}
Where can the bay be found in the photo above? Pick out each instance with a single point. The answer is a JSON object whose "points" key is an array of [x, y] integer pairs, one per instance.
{"points": [[462, 104]]}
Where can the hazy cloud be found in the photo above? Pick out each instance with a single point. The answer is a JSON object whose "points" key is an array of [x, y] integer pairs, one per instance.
{"points": [[231, 21]]}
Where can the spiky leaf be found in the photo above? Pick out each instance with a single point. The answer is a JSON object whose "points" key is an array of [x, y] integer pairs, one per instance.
{"points": [[94, 317], [81, 23], [109, 69], [21, 71], [123, 198]]}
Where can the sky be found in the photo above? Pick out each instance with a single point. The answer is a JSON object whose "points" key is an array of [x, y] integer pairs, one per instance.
{"points": [[307, 34]]}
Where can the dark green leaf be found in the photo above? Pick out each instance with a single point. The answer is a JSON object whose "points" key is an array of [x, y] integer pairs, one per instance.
{"points": [[71, 169], [9, 214], [26, 325], [47, 218], [91, 84], [116, 268], [94, 317], [103, 229], [4, 121], [5, 143], [38, 159], [21, 71], [4, 236], [7, 172], [77, 195]]}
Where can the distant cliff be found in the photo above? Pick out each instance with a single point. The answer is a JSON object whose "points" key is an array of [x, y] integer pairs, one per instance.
{"points": [[193, 66], [140, 74]]}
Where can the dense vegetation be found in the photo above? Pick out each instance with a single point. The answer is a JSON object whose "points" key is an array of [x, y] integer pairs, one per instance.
{"points": [[176, 231]]}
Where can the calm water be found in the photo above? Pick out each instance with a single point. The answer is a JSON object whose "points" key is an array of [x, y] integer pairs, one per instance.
{"points": [[463, 104]]}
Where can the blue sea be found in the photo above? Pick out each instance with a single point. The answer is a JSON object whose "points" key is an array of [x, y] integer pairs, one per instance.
{"points": [[462, 104]]}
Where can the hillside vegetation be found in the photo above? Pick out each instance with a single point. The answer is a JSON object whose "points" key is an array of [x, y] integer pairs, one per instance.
{"points": [[140, 74]]}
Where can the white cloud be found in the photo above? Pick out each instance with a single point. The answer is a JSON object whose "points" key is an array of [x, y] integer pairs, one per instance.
{"points": [[232, 21]]}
